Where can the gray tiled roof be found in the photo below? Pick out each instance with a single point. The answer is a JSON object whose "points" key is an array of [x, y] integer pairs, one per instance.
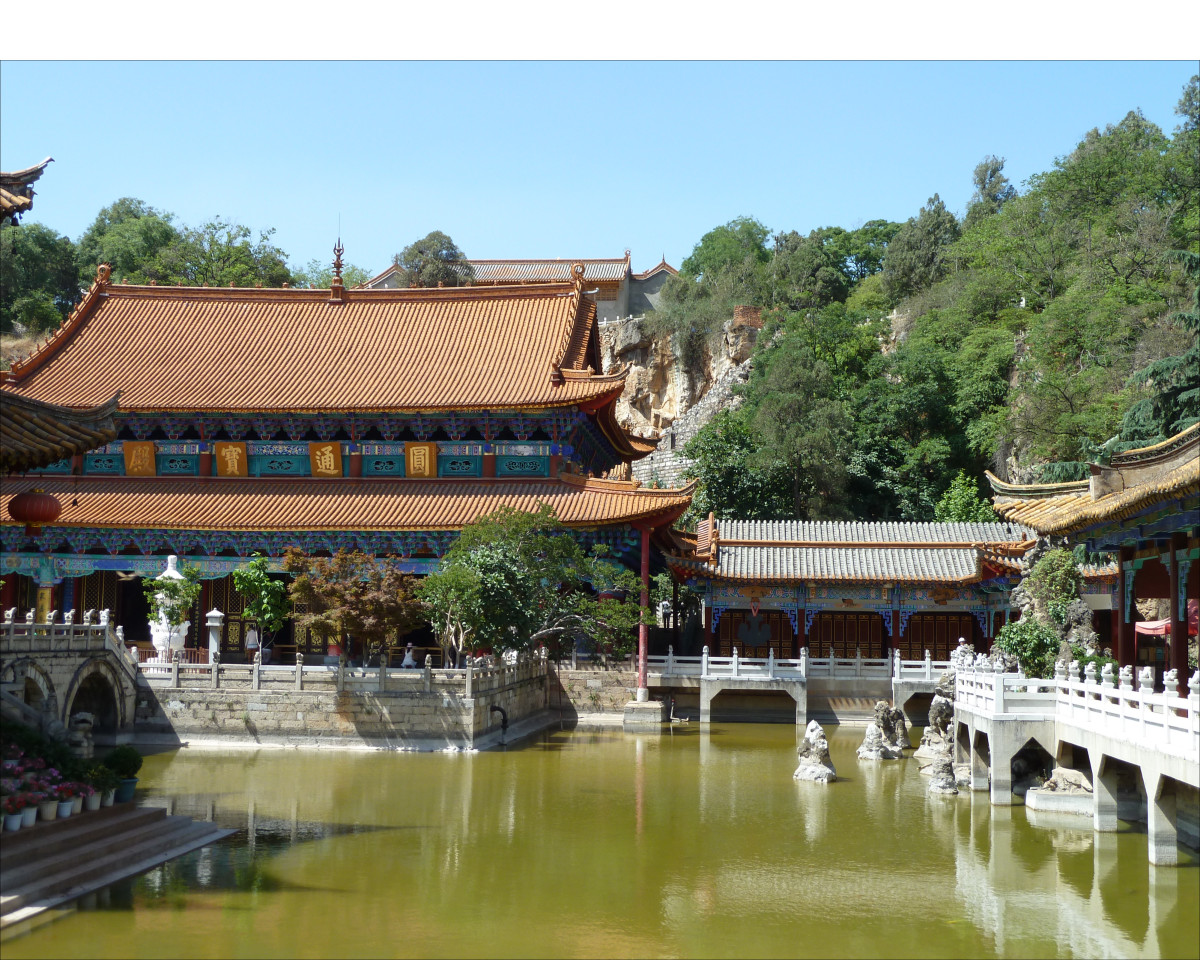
{"points": [[900, 532], [856, 551], [846, 563], [547, 270]]}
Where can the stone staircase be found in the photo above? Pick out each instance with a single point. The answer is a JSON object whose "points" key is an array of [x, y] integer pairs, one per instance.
{"points": [[51, 863]]}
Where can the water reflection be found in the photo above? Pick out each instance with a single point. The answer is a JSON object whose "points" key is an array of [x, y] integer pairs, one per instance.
{"points": [[688, 843]]}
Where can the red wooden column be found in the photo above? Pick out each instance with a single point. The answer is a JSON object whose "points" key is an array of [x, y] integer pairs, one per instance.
{"points": [[643, 690], [1125, 632], [1179, 640]]}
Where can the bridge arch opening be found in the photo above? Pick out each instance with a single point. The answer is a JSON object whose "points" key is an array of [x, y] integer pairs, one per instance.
{"points": [[35, 686], [97, 690]]}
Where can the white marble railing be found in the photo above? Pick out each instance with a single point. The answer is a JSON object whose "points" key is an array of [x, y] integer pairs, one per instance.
{"points": [[927, 669], [804, 667], [473, 680], [94, 632], [1109, 705]]}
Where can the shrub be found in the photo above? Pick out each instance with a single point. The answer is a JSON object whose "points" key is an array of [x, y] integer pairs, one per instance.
{"points": [[124, 761], [1033, 644], [1054, 582]]}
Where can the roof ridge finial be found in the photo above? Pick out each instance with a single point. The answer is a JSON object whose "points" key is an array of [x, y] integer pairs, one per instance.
{"points": [[577, 270], [337, 290]]}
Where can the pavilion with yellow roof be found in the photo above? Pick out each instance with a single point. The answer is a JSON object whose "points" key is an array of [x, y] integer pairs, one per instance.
{"points": [[383, 420]]}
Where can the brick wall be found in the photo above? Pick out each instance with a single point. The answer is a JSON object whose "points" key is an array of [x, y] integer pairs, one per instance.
{"points": [[591, 688]]}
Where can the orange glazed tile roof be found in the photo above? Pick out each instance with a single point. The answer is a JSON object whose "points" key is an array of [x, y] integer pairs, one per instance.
{"points": [[376, 504], [244, 349]]}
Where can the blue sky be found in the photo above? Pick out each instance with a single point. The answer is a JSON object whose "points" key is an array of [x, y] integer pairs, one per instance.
{"points": [[546, 159]]}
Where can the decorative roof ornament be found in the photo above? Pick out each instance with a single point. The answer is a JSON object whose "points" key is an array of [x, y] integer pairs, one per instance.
{"points": [[103, 274], [337, 290], [577, 270]]}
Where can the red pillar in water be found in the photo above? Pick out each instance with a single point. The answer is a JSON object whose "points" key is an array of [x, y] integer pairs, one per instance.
{"points": [[643, 629]]}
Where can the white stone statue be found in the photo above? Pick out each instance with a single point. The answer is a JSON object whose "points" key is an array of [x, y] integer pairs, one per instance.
{"points": [[167, 637]]}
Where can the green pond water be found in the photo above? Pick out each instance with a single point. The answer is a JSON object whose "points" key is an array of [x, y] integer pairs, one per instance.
{"points": [[584, 844]]}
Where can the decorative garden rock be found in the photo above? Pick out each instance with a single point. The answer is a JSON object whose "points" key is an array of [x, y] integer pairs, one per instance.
{"points": [[937, 737], [943, 780], [813, 754], [876, 747], [892, 725]]}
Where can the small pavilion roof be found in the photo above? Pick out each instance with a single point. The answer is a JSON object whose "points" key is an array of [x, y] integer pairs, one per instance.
{"points": [[257, 504], [176, 349], [545, 270], [795, 551], [1133, 482], [34, 434]]}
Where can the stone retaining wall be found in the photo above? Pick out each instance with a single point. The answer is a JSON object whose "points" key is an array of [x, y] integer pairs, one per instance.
{"points": [[419, 719], [591, 689]]}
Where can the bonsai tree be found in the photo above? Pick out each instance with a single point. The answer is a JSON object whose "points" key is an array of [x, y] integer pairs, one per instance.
{"points": [[266, 598], [125, 761], [172, 598]]}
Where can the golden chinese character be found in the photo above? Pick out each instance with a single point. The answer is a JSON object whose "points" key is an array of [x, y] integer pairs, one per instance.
{"points": [[420, 461], [139, 458], [323, 459], [232, 457]]}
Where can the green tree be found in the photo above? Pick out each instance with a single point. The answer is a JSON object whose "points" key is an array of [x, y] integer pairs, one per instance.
{"points": [[992, 190], [128, 235], [735, 484], [515, 580], [221, 253], [808, 272], [917, 256], [38, 281], [1174, 404], [961, 503], [266, 597], [730, 246], [433, 260]]}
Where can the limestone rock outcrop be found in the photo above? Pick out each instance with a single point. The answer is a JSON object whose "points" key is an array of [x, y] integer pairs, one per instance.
{"points": [[876, 747], [943, 779], [892, 725], [938, 737], [813, 754], [1068, 780]]}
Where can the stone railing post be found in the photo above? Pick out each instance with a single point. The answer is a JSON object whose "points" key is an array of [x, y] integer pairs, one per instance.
{"points": [[175, 655], [341, 674], [670, 660], [383, 659], [735, 662], [299, 671], [1194, 703], [896, 667], [1107, 681], [831, 661], [429, 673], [1171, 683], [704, 662], [858, 661], [256, 671], [1126, 676], [469, 685], [804, 662], [215, 620], [928, 665], [771, 663], [215, 661], [998, 688]]}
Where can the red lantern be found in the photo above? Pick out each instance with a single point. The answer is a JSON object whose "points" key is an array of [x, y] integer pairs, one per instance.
{"points": [[34, 508]]}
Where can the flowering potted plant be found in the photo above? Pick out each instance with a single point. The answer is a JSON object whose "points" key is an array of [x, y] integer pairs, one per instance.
{"points": [[105, 784], [64, 793], [30, 814], [14, 807]]}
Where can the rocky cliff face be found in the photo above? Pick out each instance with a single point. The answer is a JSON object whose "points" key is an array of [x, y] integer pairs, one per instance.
{"points": [[665, 394]]}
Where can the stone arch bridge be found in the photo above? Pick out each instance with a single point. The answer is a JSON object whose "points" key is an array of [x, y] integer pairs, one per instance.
{"points": [[51, 671]]}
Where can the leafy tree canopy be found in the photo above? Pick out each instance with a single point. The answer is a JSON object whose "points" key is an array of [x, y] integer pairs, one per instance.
{"points": [[38, 281], [730, 245], [266, 597], [319, 275], [514, 581], [129, 235], [961, 503], [433, 260], [221, 253], [917, 256]]}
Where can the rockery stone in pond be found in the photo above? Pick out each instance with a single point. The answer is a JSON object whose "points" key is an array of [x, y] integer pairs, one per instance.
{"points": [[813, 755], [943, 780], [892, 725], [875, 747]]}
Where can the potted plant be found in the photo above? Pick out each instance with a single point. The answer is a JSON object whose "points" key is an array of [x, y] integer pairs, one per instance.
{"points": [[14, 807], [30, 813], [104, 782], [266, 603], [125, 762], [65, 797]]}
